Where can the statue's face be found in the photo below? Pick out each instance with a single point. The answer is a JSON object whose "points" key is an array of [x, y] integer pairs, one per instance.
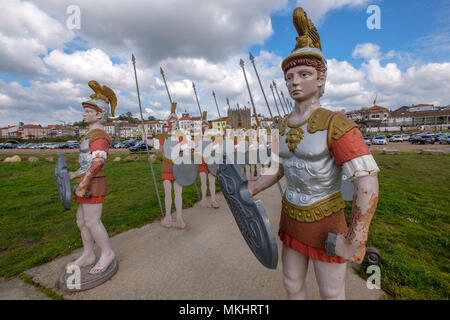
{"points": [[302, 82], [91, 116], [172, 123], [204, 127]]}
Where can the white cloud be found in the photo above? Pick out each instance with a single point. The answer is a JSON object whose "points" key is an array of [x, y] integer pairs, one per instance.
{"points": [[368, 51], [26, 32], [317, 10], [172, 28]]}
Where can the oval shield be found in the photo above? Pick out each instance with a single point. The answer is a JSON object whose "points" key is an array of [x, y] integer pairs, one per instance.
{"points": [[249, 214], [63, 181], [185, 174]]}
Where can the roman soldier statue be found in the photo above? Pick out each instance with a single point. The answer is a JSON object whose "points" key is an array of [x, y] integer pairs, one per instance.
{"points": [[90, 190], [170, 140], [316, 148], [204, 172]]}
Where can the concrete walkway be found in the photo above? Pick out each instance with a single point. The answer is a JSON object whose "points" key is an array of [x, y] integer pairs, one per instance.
{"points": [[207, 260]]}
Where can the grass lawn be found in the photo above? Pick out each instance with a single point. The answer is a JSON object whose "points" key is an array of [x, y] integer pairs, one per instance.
{"points": [[34, 226], [410, 227]]}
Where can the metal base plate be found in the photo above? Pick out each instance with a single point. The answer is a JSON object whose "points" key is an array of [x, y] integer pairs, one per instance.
{"points": [[87, 280]]}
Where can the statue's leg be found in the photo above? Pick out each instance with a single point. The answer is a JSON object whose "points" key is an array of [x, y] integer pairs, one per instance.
{"points": [[167, 220], [92, 217], [295, 267], [212, 190], [88, 255], [178, 189], [331, 279], [204, 187]]}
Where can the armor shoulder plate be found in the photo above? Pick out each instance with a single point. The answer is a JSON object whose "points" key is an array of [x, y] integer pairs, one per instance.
{"points": [[319, 120], [98, 134], [339, 126]]}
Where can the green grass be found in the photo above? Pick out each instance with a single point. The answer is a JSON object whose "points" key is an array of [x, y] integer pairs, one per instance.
{"points": [[410, 227], [34, 226]]}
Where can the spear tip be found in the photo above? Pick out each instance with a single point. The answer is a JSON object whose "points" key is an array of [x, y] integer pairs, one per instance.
{"points": [[252, 58], [193, 85], [161, 70], [133, 58], [241, 62]]}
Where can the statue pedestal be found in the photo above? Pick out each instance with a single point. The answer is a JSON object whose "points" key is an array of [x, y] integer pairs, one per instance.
{"points": [[80, 279]]}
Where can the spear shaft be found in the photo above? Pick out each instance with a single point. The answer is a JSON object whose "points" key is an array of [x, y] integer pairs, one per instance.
{"points": [[165, 83], [285, 101], [275, 100], [218, 112], [196, 97], [133, 59], [248, 87], [281, 103], [252, 59]]}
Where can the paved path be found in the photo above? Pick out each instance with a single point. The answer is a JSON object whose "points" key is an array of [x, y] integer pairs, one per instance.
{"points": [[17, 289], [207, 260]]}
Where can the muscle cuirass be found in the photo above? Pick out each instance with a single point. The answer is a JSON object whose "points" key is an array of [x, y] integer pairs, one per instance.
{"points": [[311, 171], [85, 157]]}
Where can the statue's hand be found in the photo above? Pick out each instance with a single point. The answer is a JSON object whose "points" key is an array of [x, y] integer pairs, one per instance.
{"points": [[251, 177], [80, 191], [72, 175], [353, 251]]}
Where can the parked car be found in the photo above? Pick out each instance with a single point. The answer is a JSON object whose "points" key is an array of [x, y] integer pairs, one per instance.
{"points": [[396, 138], [405, 137], [423, 138], [379, 140], [368, 141], [140, 146], [444, 139]]}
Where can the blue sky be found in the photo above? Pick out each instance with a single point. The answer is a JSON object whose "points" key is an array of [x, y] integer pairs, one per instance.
{"points": [[45, 67]]}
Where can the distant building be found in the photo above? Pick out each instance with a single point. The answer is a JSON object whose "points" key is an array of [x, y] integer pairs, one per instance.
{"points": [[33, 131], [239, 118], [219, 124]]}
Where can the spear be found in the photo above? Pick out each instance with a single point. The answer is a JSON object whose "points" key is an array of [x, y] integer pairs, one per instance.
{"points": [[238, 106], [133, 59], [228, 103], [252, 59], [165, 83], [275, 100], [196, 97], [241, 62], [170, 99], [285, 102], [218, 112], [281, 103]]}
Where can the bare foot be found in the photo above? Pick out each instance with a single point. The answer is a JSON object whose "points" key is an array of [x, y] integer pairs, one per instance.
{"points": [[214, 204], [83, 261], [179, 224], [204, 204], [167, 221], [103, 263]]}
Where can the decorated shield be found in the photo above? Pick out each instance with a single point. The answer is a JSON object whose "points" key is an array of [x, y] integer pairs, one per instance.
{"points": [[249, 214], [185, 174], [63, 181]]}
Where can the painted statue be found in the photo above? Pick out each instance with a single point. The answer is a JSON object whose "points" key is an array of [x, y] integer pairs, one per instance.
{"points": [[90, 190], [317, 146], [168, 140], [206, 174]]}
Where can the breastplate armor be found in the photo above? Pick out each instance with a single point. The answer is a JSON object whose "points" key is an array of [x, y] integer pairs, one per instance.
{"points": [[85, 157], [311, 172]]}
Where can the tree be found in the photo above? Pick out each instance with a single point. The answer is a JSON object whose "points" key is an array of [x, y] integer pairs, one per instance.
{"points": [[151, 118]]}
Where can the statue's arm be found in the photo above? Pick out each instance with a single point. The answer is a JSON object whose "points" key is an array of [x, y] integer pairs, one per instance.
{"points": [[265, 181], [352, 245]]}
